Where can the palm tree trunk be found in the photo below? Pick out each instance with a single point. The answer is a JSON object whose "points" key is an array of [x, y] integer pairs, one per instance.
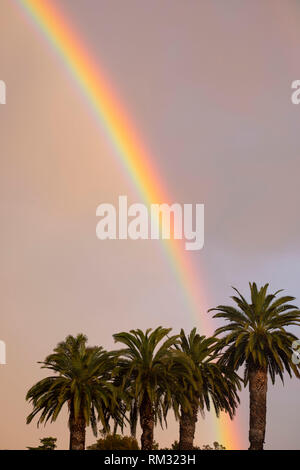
{"points": [[258, 383], [147, 423], [77, 433], [187, 428], [133, 418]]}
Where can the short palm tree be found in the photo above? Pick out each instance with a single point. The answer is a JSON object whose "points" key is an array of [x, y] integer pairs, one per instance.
{"points": [[82, 381], [211, 384], [256, 337], [146, 367]]}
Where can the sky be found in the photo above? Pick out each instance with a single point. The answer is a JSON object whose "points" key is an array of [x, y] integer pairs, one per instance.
{"points": [[208, 86]]}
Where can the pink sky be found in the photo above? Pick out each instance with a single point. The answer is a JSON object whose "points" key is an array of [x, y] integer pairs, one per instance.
{"points": [[207, 84]]}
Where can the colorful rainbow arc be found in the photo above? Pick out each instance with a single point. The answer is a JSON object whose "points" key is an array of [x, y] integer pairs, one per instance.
{"points": [[129, 149]]}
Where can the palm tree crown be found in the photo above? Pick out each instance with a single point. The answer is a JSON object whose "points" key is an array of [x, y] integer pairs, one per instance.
{"points": [[147, 368], [211, 383], [81, 380], [256, 334], [214, 383], [256, 337]]}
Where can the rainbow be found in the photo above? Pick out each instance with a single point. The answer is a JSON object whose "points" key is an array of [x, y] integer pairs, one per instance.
{"points": [[130, 151]]}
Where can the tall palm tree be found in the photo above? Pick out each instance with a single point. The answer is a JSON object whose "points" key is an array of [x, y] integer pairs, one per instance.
{"points": [[82, 381], [146, 367], [211, 383], [256, 337]]}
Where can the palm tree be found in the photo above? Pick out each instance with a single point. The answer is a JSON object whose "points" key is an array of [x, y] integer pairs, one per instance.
{"points": [[211, 383], [256, 337], [82, 381], [146, 367]]}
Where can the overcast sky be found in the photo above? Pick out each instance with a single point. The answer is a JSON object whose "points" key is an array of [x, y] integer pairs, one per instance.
{"points": [[207, 84]]}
